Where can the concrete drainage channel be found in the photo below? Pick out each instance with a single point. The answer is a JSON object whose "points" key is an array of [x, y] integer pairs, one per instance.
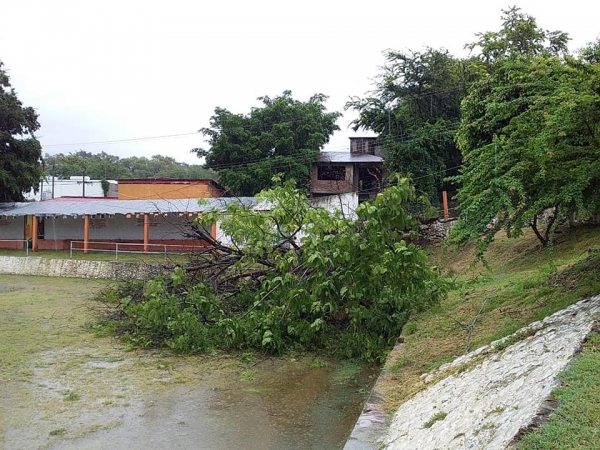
{"points": [[487, 405], [47, 267]]}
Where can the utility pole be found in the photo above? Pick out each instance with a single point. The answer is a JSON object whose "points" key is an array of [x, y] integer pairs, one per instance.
{"points": [[83, 178]]}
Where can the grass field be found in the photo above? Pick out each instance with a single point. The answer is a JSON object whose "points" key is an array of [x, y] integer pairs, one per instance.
{"points": [[522, 283], [63, 386]]}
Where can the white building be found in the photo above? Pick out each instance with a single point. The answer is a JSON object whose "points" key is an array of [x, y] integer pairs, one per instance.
{"points": [[76, 186]]}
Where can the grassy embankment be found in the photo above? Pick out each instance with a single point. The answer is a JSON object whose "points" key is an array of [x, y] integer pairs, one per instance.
{"points": [[522, 284]]}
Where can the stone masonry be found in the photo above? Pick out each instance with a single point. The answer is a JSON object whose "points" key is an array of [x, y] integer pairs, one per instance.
{"points": [[490, 402]]}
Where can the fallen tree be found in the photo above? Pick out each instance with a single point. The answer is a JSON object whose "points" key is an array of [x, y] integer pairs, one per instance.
{"points": [[291, 277]]}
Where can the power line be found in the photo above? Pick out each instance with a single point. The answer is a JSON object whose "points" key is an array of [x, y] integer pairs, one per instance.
{"points": [[119, 141]]}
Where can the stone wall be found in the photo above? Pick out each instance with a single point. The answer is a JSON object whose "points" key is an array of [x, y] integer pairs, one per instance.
{"points": [[14, 265], [484, 399]]}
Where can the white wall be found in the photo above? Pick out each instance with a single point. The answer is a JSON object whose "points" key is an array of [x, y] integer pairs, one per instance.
{"points": [[12, 228], [72, 187], [346, 203]]}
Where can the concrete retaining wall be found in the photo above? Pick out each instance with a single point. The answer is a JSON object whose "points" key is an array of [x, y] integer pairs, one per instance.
{"points": [[14, 265]]}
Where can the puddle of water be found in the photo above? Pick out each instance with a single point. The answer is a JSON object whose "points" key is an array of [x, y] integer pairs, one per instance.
{"points": [[288, 405], [61, 388]]}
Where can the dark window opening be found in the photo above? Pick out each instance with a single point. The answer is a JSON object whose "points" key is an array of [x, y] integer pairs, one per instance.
{"points": [[40, 229], [332, 173], [369, 182]]}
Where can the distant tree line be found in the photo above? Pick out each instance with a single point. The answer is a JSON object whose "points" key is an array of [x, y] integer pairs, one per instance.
{"points": [[103, 166]]}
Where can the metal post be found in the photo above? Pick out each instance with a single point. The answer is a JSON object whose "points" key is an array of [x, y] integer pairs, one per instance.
{"points": [[116, 251]]}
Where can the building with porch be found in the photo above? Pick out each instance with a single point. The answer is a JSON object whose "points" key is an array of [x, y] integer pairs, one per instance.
{"points": [[99, 223]]}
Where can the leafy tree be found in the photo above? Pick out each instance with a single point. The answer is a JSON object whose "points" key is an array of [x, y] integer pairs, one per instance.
{"points": [[20, 151], [104, 166], [283, 136], [294, 277], [530, 137], [415, 109], [519, 36]]}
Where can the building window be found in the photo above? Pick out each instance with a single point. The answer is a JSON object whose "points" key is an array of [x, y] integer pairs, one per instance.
{"points": [[332, 173]]}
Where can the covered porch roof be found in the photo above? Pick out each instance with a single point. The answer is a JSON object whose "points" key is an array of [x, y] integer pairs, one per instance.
{"points": [[81, 206]]}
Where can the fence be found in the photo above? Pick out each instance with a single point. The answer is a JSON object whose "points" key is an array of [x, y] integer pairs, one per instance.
{"points": [[132, 247]]}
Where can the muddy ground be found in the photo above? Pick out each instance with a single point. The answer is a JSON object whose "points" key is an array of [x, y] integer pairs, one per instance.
{"points": [[61, 387]]}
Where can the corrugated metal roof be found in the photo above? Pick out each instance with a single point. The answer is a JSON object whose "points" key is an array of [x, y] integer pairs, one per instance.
{"points": [[51, 208], [347, 157]]}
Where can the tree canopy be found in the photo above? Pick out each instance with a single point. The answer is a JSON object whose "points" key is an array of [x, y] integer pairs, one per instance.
{"points": [[530, 138], [20, 151], [415, 109], [103, 166], [283, 136], [518, 36]]}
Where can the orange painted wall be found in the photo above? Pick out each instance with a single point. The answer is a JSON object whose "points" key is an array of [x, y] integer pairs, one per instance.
{"points": [[167, 190]]}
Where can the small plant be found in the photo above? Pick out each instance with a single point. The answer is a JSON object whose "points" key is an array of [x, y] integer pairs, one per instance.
{"points": [[249, 358], [513, 339], [248, 375], [436, 417], [317, 363], [496, 410], [58, 432], [71, 396], [487, 426]]}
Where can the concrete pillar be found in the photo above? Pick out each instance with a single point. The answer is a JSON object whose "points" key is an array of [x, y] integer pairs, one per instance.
{"points": [[146, 231], [86, 233], [34, 234]]}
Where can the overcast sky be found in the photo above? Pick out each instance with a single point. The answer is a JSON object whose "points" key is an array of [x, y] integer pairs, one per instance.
{"points": [[118, 70]]}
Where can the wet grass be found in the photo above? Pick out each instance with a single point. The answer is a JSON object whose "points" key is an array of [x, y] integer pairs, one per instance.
{"points": [[575, 424], [521, 284], [62, 379]]}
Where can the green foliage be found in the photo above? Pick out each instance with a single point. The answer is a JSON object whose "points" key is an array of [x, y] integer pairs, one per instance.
{"points": [[283, 136], [531, 143], [415, 108], [298, 278], [20, 167], [103, 166], [519, 37]]}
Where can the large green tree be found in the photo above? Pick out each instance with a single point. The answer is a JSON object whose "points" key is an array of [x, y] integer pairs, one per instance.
{"points": [[415, 109], [283, 136], [519, 36], [20, 151], [530, 136]]}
